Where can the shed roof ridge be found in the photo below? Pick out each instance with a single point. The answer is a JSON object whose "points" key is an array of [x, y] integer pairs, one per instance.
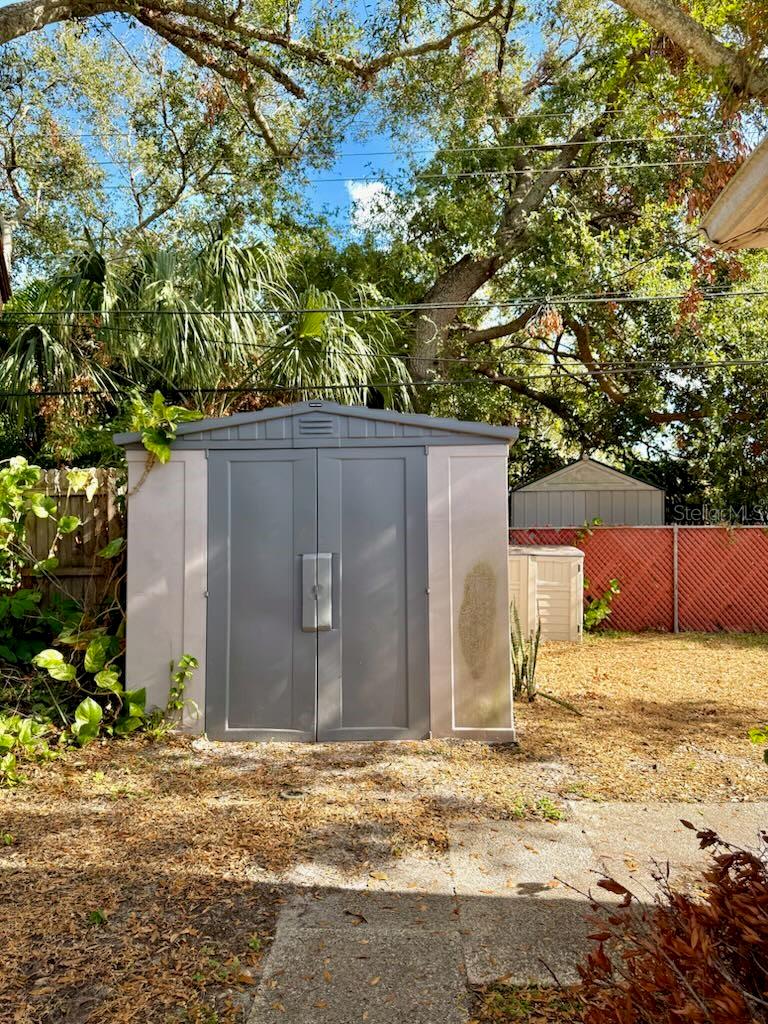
{"points": [[359, 411]]}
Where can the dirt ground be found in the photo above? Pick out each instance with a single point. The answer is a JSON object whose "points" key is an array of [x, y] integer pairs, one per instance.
{"points": [[664, 718], [140, 883]]}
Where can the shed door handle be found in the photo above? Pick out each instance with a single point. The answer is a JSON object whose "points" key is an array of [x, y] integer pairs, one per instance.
{"points": [[317, 592]]}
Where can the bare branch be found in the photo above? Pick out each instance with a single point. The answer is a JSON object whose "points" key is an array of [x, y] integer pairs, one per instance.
{"points": [[501, 330]]}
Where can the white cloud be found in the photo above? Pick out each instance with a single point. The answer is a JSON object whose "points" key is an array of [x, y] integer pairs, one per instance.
{"points": [[372, 206]]}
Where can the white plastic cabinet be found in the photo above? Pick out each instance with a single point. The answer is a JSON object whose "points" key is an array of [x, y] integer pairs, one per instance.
{"points": [[546, 584]]}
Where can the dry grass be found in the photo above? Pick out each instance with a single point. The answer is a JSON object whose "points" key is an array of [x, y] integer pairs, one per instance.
{"points": [[509, 1004], [665, 718], [140, 883]]}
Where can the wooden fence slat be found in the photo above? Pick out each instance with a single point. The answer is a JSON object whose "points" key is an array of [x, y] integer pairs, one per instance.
{"points": [[80, 574]]}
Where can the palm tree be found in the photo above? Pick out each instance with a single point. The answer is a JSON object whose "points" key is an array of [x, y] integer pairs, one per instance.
{"points": [[212, 328]]}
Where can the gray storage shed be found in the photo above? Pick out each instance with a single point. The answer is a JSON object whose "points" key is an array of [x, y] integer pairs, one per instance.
{"points": [[583, 491], [339, 572]]}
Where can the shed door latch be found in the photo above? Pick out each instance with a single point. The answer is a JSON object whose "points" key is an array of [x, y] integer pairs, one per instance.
{"points": [[317, 592]]}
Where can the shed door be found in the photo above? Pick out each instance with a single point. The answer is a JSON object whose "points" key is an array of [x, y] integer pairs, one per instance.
{"points": [[372, 666], [558, 597], [261, 667], [317, 610]]}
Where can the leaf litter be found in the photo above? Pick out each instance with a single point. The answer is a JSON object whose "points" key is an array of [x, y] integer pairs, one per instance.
{"points": [[143, 881]]}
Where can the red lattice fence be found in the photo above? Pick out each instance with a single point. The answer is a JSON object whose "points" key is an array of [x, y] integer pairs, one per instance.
{"points": [[706, 578]]}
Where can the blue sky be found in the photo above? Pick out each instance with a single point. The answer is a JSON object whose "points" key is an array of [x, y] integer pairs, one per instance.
{"points": [[345, 202]]}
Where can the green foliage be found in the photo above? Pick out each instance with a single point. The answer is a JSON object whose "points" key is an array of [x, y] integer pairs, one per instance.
{"points": [[163, 722], [759, 735], [157, 423], [88, 717], [151, 322], [525, 652], [21, 737], [598, 609], [113, 549], [62, 668]]}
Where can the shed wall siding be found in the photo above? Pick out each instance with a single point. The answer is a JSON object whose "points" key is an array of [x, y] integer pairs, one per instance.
{"points": [[167, 573], [574, 508], [470, 686]]}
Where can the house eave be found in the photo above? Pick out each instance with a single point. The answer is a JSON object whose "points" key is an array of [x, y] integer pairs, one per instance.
{"points": [[738, 219]]}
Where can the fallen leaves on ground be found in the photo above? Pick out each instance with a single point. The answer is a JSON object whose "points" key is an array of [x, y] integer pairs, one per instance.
{"points": [[665, 718], [140, 883], [509, 1004]]}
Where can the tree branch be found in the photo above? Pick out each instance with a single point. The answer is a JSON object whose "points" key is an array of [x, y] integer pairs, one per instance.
{"points": [[700, 44], [175, 31], [501, 330]]}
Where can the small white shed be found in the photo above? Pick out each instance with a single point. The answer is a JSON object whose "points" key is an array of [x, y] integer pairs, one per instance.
{"points": [[583, 491], [546, 584]]}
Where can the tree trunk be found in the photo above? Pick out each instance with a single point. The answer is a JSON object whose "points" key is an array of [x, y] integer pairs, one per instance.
{"points": [[700, 44], [455, 287]]}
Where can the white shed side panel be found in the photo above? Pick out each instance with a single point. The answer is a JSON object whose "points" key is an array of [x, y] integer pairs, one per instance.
{"points": [[470, 684], [167, 573], [518, 590]]}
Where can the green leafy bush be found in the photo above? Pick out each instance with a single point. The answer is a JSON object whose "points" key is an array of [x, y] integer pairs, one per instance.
{"points": [[598, 608], [62, 668]]}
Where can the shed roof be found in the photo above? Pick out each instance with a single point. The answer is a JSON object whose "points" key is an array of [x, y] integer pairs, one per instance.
{"points": [[738, 218], [321, 423], [587, 475], [546, 550]]}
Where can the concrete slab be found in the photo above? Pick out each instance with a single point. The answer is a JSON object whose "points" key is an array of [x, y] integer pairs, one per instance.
{"points": [[523, 940], [633, 843], [360, 912], [523, 915], [524, 858], [322, 976], [398, 946]]}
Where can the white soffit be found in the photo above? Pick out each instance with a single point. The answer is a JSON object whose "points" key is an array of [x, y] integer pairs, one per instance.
{"points": [[738, 219]]}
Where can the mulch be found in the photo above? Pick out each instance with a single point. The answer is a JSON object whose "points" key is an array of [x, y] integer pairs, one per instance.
{"points": [[665, 717], [141, 882]]}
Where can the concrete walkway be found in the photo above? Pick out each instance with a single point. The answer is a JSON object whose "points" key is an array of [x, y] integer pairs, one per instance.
{"points": [[403, 946]]}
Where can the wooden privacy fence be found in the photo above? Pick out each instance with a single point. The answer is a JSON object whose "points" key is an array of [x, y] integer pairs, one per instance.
{"points": [[81, 574], [674, 578]]}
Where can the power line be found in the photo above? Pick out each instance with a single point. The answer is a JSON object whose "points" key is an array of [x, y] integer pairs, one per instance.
{"points": [[368, 121], [427, 176], [407, 307], [309, 386], [524, 146]]}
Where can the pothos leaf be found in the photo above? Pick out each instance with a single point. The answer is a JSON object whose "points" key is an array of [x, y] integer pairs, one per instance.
{"points": [[113, 548]]}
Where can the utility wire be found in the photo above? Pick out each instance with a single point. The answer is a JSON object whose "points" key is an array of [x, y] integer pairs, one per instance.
{"points": [[407, 307], [247, 389], [359, 121], [428, 176], [524, 146]]}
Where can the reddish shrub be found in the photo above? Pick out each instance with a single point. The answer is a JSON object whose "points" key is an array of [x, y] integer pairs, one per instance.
{"points": [[699, 959]]}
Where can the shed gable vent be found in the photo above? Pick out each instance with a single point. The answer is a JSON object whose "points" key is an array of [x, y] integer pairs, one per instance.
{"points": [[317, 426]]}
